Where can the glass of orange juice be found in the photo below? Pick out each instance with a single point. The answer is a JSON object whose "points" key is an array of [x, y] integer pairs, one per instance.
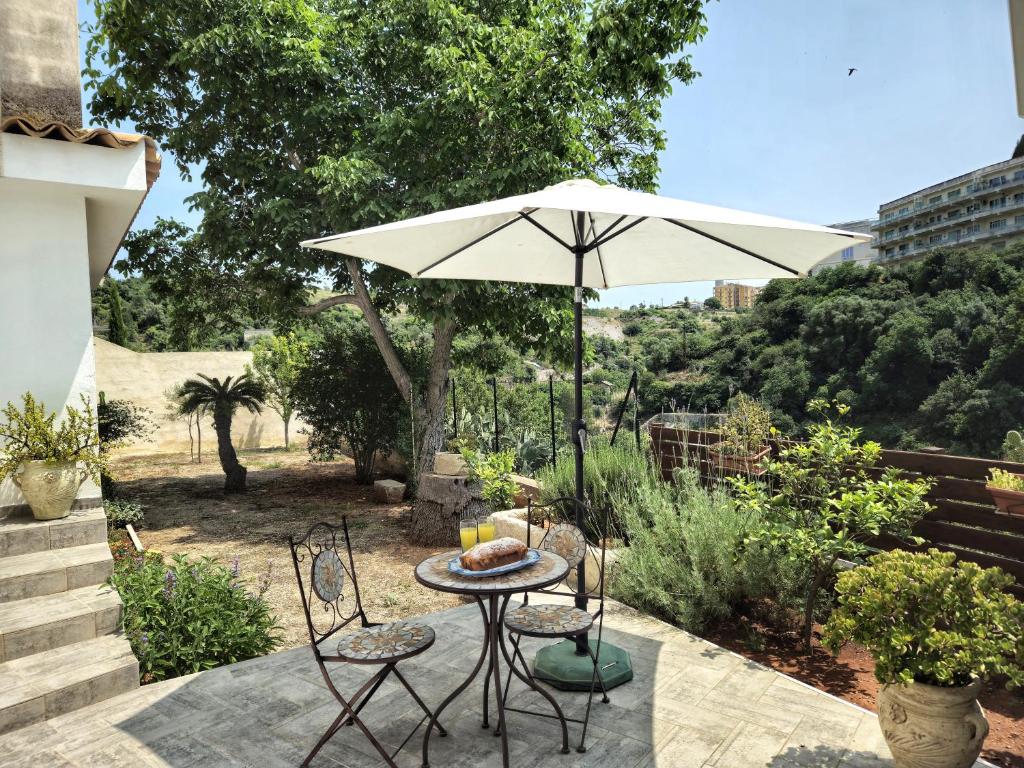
{"points": [[468, 534], [485, 529]]}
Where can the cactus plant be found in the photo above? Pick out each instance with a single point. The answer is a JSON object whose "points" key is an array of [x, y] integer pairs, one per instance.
{"points": [[1013, 447]]}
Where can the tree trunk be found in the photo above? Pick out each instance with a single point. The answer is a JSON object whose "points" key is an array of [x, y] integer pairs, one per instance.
{"points": [[428, 411], [820, 573], [288, 419], [428, 526], [234, 472]]}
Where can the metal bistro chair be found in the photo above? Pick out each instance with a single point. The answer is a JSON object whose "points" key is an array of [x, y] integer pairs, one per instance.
{"points": [[563, 537], [333, 592]]}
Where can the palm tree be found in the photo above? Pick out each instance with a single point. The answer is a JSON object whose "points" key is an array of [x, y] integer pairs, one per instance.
{"points": [[207, 394]]}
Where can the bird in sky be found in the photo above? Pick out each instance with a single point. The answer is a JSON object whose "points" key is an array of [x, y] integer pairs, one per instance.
{"points": [[852, 70]]}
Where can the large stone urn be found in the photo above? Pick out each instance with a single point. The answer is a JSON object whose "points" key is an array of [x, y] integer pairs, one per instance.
{"points": [[50, 488], [928, 726]]}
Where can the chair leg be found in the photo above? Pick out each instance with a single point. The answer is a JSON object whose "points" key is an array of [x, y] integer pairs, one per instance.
{"points": [[594, 679], [440, 729], [359, 702], [362, 696]]}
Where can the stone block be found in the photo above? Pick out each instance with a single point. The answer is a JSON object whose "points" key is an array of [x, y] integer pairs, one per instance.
{"points": [[528, 489], [450, 464], [388, 491]]}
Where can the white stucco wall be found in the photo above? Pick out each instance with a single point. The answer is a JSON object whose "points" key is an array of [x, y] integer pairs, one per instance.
{"points": [[45, 317]]}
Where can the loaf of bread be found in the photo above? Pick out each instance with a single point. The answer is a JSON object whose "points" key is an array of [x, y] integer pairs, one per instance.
{"points": [[492, 554]]}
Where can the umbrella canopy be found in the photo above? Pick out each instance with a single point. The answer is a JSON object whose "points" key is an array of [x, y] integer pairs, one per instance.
{"points": [[628, 238], [590, 235]]}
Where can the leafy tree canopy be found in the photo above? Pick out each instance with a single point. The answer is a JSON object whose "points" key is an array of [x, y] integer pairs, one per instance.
{"points": [[311, 117]]}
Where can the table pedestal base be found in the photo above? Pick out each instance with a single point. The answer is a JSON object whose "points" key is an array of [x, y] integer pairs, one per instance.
{"points": [[493, 613]]}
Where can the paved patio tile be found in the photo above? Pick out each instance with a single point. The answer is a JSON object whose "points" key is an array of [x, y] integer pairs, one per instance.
{"points": [[691, 705]]}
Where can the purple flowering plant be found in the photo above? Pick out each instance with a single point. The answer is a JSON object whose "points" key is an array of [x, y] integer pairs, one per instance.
{"points": [[192, 614]]}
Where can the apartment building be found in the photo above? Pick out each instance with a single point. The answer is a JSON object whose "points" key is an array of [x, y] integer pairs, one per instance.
{"points": [[984, 207], [734, 295]]}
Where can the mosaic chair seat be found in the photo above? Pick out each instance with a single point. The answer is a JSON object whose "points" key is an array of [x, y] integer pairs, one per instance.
{"points": [[552, 527], [326, 575]]}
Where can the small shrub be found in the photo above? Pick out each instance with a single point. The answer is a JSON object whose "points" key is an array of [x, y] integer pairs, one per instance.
{"points": [[122, 513], [821, 504], [927, 620], [745, 428], [1013, 447], [119, 421], [687, 562], [1008, 481], [191, 615], [348, 399], [494, 472], [615, 477]]}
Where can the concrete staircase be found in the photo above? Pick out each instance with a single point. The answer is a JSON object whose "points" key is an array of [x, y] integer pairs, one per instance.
{"points": [[60, 645]]}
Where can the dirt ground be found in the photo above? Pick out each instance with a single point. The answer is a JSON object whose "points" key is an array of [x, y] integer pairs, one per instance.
{"points": [[851, 676], [188, 512]]}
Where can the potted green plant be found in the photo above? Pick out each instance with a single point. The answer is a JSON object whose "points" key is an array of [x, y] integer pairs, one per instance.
{"points": [[1007, 491], [49, 460], [936, 631], [744, 432]]}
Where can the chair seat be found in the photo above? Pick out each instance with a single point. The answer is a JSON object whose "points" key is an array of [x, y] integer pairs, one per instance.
{"points": [[548, 620], [386, 643]]}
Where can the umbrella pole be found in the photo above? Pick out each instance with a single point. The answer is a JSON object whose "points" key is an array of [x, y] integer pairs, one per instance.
{"points": [[567, 665], [579, 428]]}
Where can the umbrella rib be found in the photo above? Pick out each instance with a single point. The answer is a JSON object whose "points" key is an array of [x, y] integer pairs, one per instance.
{"points": [[468, 245], [600, 259], [735, 247], [603, 239], [546, 231], [609, 228]]}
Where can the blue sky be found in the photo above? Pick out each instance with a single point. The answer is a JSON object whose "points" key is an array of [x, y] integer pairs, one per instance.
{"points": [[775, 125]]}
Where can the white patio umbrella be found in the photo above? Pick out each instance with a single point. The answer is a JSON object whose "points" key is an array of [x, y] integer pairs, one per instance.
{"points": [[589, 235]]}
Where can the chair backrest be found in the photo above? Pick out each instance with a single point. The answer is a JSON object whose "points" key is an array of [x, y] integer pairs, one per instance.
{"points": [[327, 581], [552, 526]]}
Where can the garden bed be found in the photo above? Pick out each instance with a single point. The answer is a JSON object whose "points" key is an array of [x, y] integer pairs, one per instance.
{"points": [[187, 512], [850, 676]]}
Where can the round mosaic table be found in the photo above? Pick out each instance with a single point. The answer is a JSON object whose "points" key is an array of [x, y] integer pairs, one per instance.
{"points": [[492, 594]]}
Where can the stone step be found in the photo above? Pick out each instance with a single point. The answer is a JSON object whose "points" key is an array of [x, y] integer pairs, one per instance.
{"points": [[41, 623], [54, 682], [21, 534], [57, 570]]}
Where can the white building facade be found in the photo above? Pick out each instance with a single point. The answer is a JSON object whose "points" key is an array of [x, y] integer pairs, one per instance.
{"points": [[859, 253], [984, 207]]}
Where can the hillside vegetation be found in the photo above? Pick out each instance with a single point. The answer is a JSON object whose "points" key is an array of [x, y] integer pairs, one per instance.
{"points": [[931, 352]]}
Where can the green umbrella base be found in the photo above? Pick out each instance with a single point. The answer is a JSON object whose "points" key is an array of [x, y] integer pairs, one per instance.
{"points": [[560, 666]]}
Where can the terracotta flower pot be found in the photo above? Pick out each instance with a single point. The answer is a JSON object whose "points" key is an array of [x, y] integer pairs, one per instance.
{"points": [[50, 488], [737, 463], [1008, 502], [928, 726]]}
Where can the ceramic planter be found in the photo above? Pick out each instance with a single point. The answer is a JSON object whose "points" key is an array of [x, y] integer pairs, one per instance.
{"points": [[1008, 502], [928, 726], [749, 464], [50, 488]]}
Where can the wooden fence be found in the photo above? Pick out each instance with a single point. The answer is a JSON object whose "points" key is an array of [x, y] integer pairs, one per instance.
{"points": [[963, 519]]}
